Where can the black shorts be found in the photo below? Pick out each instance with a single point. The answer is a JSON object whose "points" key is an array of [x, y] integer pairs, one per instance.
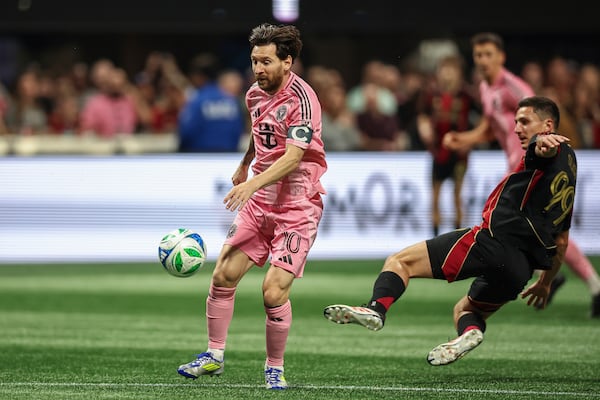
{"points": [[501, 271], [453, 168]]}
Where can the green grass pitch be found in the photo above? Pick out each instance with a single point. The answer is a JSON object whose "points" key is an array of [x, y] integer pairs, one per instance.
{"points": [[120, 332]]}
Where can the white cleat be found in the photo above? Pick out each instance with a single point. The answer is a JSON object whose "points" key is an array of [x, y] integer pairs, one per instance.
{"points": [[274, 378], [204, 364], [447, 353], [343, 314]]}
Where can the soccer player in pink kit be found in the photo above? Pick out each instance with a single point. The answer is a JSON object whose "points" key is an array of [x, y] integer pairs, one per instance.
{"points": [[500, 91], [279, 207]]}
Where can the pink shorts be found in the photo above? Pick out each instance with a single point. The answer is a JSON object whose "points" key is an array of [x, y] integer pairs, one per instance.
{"points": [[285, 232]]}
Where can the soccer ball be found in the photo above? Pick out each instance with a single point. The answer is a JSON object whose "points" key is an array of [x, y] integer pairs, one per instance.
{"points": [[182, 252]]}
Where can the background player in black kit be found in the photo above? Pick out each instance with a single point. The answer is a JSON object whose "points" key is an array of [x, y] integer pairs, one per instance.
{"points": [[525, 226], [446, 105]]}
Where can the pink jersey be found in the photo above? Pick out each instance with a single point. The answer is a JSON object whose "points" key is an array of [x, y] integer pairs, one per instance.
{"points": [[292, 115], [500, 101]]}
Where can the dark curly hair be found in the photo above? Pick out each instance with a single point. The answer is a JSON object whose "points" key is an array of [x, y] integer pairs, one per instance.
{"points": [[286, 39]]}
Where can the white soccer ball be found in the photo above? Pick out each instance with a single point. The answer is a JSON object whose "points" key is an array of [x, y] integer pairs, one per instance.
{"points": [[182, 252]]}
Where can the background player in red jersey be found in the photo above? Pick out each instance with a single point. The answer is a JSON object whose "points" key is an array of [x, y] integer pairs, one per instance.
{"points": [[445, 106]]}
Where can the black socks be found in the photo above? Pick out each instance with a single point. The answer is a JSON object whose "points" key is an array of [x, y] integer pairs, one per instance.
{"points": [[387, 289], [471, 321]]}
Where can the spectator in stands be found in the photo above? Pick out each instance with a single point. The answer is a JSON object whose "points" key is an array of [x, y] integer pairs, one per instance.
{"points": [[162, 87], [340, 130], [212, 120], [117, 109], [64, 118], [379, 131], [4, 104], [47, 91], [168, 102], [233, 82], [532, 72], [153, 69], [372, 79], [586, 105], [411, 82], [561, 75], [26, 116], [99, 75], [78, 75], [321, 78], [568, 125]]}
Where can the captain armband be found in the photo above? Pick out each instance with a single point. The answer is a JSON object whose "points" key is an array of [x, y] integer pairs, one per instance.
{"points": [[301, 133]]}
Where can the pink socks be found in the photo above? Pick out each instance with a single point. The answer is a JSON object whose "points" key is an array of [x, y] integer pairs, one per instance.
{"points": [[219, 311], [278, 323]]}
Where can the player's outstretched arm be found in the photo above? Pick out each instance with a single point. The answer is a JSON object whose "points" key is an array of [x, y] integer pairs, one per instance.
{"points": [[241, 193], [466, 140]]}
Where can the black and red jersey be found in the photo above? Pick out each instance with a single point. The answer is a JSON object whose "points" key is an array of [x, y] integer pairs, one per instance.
{"points": [[533, 204]]}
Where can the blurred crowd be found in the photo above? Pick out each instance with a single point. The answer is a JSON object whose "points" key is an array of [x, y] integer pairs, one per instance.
{"points": [[102, 99], [379, 113]]}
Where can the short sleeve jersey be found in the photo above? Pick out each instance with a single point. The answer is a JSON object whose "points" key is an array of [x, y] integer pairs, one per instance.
{"points": [[533, 204], [500, 101], [290, 116]]}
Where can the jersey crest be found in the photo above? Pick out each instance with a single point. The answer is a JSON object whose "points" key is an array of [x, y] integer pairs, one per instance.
{"points": [[281, 113]]}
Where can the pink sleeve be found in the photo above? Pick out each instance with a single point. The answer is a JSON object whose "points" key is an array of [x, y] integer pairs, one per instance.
{"points": [[304, 112]]}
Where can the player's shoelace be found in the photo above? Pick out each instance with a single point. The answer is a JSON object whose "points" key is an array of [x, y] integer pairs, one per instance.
{"points": [[274, 379]]}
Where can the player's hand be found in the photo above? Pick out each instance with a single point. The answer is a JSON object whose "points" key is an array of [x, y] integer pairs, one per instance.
{"points": [[240, 175], [547, 143], [238, 196], [452, 141], [538, 294]]}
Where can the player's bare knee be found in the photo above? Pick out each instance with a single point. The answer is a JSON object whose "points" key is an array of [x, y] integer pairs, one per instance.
{"points": [[395, 263], [274, 296], [219, 281], [412, 262], [222, 277]]}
